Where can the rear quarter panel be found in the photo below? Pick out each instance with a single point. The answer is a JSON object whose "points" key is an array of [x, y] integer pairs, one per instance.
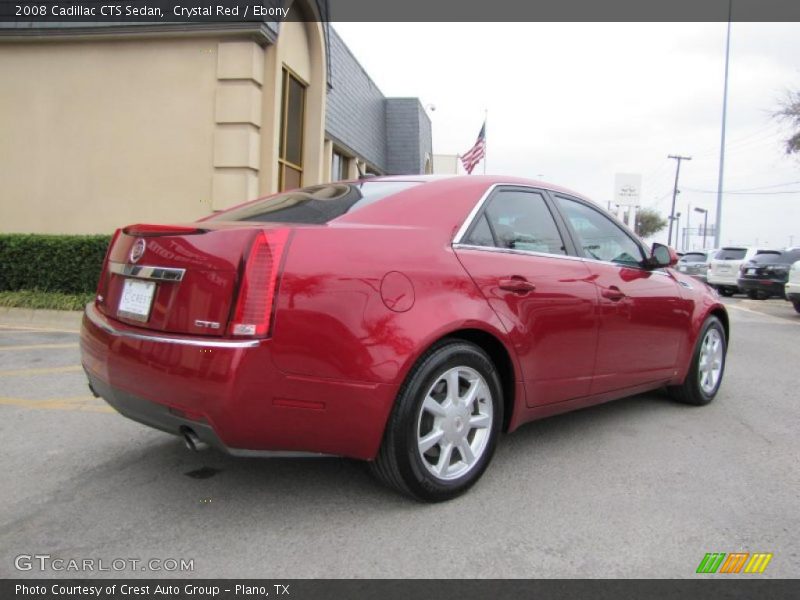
{"points": [[332, 322]]}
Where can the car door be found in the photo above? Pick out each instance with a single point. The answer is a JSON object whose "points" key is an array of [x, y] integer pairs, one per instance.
{"points": [[643, 317], [545, 298]]}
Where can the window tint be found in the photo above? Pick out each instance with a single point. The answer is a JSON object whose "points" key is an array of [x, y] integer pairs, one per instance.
{"points": [[731, 254], [480, 235], [316, 204], [771, 258], [520, 221], [598, 236], [693, 257]]}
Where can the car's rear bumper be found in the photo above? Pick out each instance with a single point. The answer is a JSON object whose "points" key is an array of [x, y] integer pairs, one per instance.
{"points": [[230, 393], [768, 286], [792, 291], [722, 280]]}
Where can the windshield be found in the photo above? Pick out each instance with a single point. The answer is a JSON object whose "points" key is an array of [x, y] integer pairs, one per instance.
{"points": [[731, 254], [314, 205]]}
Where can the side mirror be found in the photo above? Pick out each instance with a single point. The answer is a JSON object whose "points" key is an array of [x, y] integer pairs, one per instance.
{"points": [[662, 256]]}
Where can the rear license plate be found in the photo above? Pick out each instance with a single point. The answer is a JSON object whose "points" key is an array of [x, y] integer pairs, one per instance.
{"points": [[751, 271], [136, 299], [723, 268], [682, 269]]}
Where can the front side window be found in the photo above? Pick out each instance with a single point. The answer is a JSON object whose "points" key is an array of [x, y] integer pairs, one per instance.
{"points": [[517, 220], [290, 155], [598, 236]]}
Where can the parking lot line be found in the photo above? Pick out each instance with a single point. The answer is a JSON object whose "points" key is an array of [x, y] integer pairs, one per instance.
{"points": [[40, 371], [762, 314], [39, 346], [24, 329], [78, 403]]}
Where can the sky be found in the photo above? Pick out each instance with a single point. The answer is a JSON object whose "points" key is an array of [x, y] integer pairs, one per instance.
{"points": [[575, 103]]}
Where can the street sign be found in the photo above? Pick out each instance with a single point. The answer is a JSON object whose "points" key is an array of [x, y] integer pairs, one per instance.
{"points": [[627, 189]]}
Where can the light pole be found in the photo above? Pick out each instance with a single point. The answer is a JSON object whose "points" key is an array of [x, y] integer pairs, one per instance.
{"points": [[677, 219], [705, 222], [722, 135]]}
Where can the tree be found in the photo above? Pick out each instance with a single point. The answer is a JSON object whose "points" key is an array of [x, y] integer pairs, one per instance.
{"points": [[790, 112], [649, 222]]}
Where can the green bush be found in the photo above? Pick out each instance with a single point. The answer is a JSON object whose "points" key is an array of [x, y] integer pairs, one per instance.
{"points": [[68, 264]]}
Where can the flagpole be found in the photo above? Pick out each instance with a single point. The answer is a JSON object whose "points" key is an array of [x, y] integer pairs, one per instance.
{"points": [[485, 144]]}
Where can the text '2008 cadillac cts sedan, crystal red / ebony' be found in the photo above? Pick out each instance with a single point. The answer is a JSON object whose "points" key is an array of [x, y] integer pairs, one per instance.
{"points": [[405, 321]]}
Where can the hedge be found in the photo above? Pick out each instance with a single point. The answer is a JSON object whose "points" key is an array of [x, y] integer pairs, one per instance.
{"points": [[69, 264]]}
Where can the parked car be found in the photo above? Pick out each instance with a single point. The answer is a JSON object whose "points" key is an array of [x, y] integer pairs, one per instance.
{"points": [[695, 263], [405, 321], [792, 289], [765, 275], [723, 270]]}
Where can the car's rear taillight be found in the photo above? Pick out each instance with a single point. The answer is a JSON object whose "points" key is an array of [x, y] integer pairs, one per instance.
{"points": [[103, 281], [253, 314]]}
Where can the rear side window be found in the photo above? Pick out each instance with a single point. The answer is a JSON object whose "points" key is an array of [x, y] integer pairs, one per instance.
{"points": [[316, 204], [518, 220], [731, 254]]}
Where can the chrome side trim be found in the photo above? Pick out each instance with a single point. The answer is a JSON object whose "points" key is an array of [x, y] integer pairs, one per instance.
{"points": [[147, 272], [516, 251], [92, 314]]}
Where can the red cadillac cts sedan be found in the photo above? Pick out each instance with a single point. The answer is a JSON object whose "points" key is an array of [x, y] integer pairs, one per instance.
{"points": [[405, 321]]}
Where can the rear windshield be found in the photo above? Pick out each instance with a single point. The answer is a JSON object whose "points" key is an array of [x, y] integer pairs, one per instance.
{"points": [[731, 254], [316, 204], [776, 258], [693, 257]]}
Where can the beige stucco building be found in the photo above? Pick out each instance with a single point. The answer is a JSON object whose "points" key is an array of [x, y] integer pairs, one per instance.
{"points": [[106, 126]]}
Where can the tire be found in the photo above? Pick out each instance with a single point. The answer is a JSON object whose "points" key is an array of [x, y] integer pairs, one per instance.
{"points": [[701, 384], [752, 294], [796, 304], [429, 450], [723, 291]]}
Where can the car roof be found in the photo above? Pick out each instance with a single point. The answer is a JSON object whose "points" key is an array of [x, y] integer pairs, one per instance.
{"points": [[487, 180]]}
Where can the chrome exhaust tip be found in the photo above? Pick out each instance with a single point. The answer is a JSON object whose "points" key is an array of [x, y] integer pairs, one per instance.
{"points": [[192, 442]]}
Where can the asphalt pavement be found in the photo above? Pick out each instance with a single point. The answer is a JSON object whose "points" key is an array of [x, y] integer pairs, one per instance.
{"points": [[641, 487]]}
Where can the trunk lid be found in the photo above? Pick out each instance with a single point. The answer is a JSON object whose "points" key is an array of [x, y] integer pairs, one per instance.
{"points": [[178, 279]]}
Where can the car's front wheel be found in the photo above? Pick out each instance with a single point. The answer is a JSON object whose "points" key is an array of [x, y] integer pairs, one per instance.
{"points": [[796, 304], [723, 291], [444, 426], [708, 365]]}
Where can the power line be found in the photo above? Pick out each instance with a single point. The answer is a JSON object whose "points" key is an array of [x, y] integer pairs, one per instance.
{"points": [[743, 193]]}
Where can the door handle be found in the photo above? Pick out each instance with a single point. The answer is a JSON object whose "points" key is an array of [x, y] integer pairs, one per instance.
{"points": [[516, 284], [613, 293]]}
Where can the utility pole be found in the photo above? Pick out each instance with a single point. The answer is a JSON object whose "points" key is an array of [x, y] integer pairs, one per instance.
{"points": [[675, 195]]}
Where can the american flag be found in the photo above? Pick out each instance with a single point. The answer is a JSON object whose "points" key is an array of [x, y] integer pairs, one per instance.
{"points": [[475, 154]]}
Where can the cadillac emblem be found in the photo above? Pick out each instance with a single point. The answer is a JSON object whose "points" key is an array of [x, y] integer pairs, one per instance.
{"points": [[137, 250]]}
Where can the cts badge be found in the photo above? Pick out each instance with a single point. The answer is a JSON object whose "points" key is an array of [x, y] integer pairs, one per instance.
{"points": [[137, 251]]}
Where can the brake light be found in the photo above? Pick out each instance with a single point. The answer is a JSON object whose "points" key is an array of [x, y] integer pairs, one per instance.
{"points": [[102, 282], [253, 314], [145, 230]]}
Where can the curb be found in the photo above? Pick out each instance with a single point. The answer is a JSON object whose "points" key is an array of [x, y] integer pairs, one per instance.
{"points": [[68, 320]]}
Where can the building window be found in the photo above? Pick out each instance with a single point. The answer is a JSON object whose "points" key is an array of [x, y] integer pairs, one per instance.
{"points": [[290, 157], [340, 166]]}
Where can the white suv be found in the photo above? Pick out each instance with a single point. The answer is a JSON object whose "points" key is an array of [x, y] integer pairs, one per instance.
{"points": [[723, 270], [793, 286]]}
